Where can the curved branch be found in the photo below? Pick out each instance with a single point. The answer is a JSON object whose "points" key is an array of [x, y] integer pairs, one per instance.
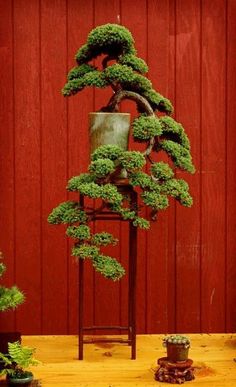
{"points": [[125, 94], [106, 60]]}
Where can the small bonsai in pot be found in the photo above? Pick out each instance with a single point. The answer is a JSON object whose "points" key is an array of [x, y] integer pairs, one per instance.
{"points": [[10, 298], [177, 347], [154, 129], [16, 363]]}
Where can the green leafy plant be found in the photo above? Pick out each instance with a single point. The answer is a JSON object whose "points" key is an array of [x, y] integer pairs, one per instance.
{"points": [[10, 298], [154, 181], [19, 359]]}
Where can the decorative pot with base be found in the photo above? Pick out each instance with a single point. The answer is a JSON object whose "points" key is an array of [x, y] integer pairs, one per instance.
{"points": [[176, 368]]}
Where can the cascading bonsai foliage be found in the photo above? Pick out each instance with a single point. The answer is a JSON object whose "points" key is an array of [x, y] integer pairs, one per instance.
{"points": [[154, 127], [10, 298]]}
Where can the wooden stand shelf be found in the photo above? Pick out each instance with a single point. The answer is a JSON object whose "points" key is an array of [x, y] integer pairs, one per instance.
{"points": [[107, 215]]}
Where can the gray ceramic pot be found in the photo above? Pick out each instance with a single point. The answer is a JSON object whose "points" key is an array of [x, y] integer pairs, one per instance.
{"points": [[109, 128]]}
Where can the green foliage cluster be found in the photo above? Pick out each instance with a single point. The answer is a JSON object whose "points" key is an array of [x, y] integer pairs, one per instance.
{"points": [[19, 359], [132, 160], [179, 155], [162, 171], [154, 183], [146, 127], [67, 212], [111, 39], [102, 167], [10, 298], [156, 188], [134, 62], [117, 43], [87, 245]]}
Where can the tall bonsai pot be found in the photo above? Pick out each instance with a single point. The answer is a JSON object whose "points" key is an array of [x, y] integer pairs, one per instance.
{"points": [[109, 128]]}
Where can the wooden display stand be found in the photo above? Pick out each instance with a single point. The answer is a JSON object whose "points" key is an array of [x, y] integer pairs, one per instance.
{"points": [[104, 214], [174, 373]]}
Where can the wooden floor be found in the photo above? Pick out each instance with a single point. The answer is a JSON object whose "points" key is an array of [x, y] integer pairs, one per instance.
{"points": [[109, 365]]}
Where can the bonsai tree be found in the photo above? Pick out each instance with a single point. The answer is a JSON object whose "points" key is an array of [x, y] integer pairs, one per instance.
{"points": [[10, 298], [154, 181], [16, 363]]}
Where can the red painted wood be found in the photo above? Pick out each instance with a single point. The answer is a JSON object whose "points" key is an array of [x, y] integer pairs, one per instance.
{"points": [[171, 253], [27, 163], [189, 249], [7, 154], [156, 256], [54, 165], [188, 69], [213, 166], [231, 168], [78, 147], [138, 27], [107, 293]]}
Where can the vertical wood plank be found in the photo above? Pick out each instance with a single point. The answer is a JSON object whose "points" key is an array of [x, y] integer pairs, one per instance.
{"points": [[80, 22], [54, 164], [27, 163], [171, 266], [213, 166], [188, 113], [157, 236], [231, 167], [107, 294], [137, 24], [7, 154]]}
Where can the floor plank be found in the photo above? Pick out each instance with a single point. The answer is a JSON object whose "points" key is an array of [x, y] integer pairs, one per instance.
{"points": [[109, 365]]}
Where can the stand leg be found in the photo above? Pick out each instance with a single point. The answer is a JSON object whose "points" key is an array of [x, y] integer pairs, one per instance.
{"points": [[132, 283], [81, 307], [131, 290], [81, 299]]}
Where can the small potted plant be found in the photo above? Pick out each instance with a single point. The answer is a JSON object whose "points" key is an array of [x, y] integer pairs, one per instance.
{"points": [[16, 364], [112, 164], [10, 298], [177, 347]]}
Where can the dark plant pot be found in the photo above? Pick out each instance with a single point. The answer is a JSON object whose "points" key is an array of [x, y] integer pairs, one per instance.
{"points": [[8, 337], [13, 381], [109, 128], [177, 352]]}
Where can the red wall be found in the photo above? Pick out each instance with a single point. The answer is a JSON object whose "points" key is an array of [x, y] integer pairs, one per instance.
{"points": [[186, 264]]}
